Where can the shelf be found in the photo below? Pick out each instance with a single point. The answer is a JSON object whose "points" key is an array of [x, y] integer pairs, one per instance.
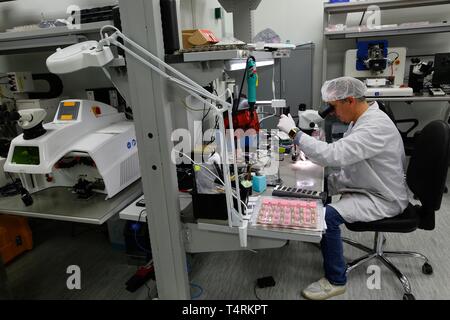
{"points": [[360, 6], [61, 204], [393, 31], [38, 40], [384, 5], [225, 55], [424, 98]]}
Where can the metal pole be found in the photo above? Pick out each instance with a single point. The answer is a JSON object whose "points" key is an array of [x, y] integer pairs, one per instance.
{"points": [[141, 21]]}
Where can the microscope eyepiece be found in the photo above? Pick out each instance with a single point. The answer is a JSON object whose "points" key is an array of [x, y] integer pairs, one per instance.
{"points": [[324, 112]]}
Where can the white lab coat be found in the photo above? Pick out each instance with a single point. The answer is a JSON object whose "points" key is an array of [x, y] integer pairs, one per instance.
{"points": [[372, 161]]}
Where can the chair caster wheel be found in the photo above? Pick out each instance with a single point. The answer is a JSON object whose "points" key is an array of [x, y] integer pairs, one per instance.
{"points": [[427, 268], [409, 296]]}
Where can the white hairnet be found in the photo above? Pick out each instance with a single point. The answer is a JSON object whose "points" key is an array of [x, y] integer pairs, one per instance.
{"points": [[342, 88]]}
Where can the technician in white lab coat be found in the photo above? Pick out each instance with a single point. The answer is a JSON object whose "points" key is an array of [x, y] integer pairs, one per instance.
{"points": [[371, 180]]}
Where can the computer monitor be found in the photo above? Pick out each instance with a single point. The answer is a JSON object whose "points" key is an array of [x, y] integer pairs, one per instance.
{"points": [[441, 74]]}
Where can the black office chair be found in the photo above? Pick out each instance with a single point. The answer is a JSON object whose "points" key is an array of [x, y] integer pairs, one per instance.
{"points": [[427, 182], [408, 141]]}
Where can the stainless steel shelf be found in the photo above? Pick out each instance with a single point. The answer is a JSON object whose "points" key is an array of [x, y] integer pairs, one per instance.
{"points": [[394, 31], [12, 42], [384, 5], [61, 204]]}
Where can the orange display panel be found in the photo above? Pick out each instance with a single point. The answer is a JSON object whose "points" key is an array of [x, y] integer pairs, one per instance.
{"points": [[67, 117]]}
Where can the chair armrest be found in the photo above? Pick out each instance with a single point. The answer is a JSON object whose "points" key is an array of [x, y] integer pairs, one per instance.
{"points": [[414, 122]]}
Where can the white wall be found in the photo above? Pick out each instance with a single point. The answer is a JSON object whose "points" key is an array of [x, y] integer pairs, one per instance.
{"points": [[197, 14], [302, 20], [298, 22]]}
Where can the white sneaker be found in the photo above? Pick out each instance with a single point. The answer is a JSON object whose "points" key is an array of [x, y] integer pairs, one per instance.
{"points": [[322, 290]]}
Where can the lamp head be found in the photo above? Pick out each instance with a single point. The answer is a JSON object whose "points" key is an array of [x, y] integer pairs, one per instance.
{"points": [[79, 56]]}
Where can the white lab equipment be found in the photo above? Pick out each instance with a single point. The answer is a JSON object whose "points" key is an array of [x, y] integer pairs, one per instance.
{"points": [[309, 119], [79, 56], [3, 180], [87, 140], [385, 82], [31, 118]]}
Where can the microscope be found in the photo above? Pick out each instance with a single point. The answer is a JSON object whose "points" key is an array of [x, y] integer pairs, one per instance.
{"points": [[308, 120], [419, 70]]}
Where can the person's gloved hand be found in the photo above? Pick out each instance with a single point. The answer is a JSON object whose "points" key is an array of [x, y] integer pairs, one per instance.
{"points": [[286, 124]]}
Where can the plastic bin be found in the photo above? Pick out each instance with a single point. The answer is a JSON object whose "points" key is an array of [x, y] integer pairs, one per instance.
{"points": [[15, 237]]}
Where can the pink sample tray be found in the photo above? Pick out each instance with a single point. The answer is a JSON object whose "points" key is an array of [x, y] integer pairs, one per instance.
{"points": [[286, 213]]}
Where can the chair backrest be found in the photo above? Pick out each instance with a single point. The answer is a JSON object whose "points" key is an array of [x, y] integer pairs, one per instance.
{"points": [[386, 110], [427, 170]]}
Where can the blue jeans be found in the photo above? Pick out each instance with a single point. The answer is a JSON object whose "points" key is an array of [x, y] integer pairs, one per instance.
{"points": [[332, 248]]}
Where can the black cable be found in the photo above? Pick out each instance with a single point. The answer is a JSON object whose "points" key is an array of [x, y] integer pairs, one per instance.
{"points": [[362, 18], [9, 175], [360, 22], [207, 114], [216, 126], [236, 106], [9, 190], [135, 234], [140, 214]]}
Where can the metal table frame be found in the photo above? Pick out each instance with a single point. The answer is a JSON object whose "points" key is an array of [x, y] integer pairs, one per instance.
{"points": [[141, 21]]}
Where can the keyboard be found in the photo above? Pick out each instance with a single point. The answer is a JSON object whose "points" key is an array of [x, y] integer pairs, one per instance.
{"points": [[284, 191]]}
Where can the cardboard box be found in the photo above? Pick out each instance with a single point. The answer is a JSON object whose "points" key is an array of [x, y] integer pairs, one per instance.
{"points": [[198, 38]]}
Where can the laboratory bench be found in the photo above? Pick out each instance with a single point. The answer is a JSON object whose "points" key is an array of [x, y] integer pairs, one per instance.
{"points": [[207, 235]]}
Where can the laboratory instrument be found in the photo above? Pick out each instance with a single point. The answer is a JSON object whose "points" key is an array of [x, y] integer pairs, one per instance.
{"points": [[89, 146]]}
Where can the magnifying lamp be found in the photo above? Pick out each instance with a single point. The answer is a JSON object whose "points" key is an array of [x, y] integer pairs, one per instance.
{"points": [[79, 56]]}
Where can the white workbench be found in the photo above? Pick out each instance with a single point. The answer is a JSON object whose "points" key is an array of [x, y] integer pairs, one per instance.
{"points": [[133, 212]]}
